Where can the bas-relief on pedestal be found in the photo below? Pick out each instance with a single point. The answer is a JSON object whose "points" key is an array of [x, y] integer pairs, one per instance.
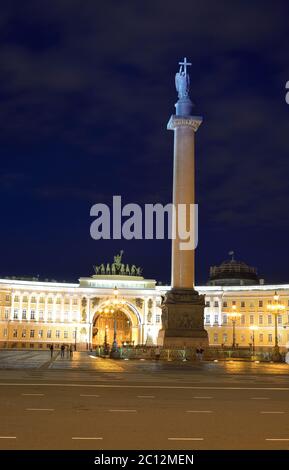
{"points": [[182, 306]]}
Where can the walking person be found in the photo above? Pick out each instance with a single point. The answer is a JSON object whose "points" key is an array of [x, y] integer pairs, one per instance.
{"points": [[51, 350], [62, 350], [71, 351], [157, 353]]}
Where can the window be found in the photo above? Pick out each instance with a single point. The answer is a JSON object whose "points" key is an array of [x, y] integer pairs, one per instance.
{"points": [[279, 319], [7, 298], [6, 314], [50, 301], [66, 300], [260, 319], [216, 303], [16, 298], [74, 301], [24, 314], [32, 315], [65, 334], [225, 304], [243, 304], [251, 304], [208, 304], [251, 319], [40, 333], [233, 302], [48, 333], [5, 332], [41, 300], [215, 337], [270, 338], [57, 334], [269, 319], [261, 337], [41, 315], [33, 300], [260, 303], [23, 333], [15, 316], [58, 300], [243, 319], [225, 319], [158, 318], [225, 337], [207, 318], [14, 333], [32, 333], [25, 298], [216, 318], [269, 302]]}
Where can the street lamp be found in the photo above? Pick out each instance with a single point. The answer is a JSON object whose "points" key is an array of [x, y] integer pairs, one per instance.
{"points": [[275, 309], [75, 335], [253, 328], [234, 316]]}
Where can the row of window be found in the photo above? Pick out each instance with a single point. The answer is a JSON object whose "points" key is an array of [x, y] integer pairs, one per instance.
{"points": [[223, 338], [280, 319], [32, 315], [242, 303], [42, 300], [31, 334]]}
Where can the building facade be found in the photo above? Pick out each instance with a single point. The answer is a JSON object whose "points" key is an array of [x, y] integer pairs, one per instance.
{"points": [[36, 314]]}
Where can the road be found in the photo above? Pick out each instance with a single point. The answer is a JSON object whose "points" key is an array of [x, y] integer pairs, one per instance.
{"points": [[89, 403]]}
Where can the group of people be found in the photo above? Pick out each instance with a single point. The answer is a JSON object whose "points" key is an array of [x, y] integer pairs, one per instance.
{"points": [[69, 350]]}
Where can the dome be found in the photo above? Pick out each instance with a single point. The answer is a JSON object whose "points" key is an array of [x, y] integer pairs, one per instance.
{"points": [[233, 273]]}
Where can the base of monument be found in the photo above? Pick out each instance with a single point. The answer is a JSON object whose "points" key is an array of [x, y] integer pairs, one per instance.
{"points": [[183, 320], [179, 342]]}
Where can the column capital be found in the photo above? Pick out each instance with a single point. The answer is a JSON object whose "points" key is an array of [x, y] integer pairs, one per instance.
{"points": [[192, 122]]}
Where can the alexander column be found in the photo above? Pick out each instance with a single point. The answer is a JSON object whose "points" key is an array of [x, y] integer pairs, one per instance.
{"points": [[183, 307]]}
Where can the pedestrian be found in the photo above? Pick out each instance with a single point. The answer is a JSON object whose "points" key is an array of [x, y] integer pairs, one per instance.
{"points": [[62, 350], [201, 354], [198, 354], [51, 350], [71, 351], [157, 353]]}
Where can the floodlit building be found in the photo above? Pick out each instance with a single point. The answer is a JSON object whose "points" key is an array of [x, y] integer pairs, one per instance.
{"points": [[118, 299]]}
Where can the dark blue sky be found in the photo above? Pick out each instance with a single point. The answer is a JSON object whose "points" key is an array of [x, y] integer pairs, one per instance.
{"points": [[86, 90]]}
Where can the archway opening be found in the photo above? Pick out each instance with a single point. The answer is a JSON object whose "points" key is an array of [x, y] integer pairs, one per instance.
{"points": [[105, 324]]}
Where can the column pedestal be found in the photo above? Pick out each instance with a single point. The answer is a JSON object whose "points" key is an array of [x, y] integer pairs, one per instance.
{"points": [[183, 320]]}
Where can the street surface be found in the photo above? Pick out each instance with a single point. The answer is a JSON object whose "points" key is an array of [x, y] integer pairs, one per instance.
{"points": [[92, 403]]}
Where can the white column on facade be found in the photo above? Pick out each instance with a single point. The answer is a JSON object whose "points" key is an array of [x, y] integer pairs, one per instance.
{"points": [[20, 306], [37, 308], [12, 306], [46, 307]]}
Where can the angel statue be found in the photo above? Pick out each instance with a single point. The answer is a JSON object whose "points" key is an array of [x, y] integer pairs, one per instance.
{"points": [[182, 80]]}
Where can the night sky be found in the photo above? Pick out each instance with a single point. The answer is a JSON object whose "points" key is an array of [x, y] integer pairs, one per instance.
{"points": [[86, 91]]}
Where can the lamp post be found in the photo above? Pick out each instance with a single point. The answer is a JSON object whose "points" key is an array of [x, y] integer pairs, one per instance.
{"points": [[75, 335], [275, 308], [234, 316], [253, 328]]}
